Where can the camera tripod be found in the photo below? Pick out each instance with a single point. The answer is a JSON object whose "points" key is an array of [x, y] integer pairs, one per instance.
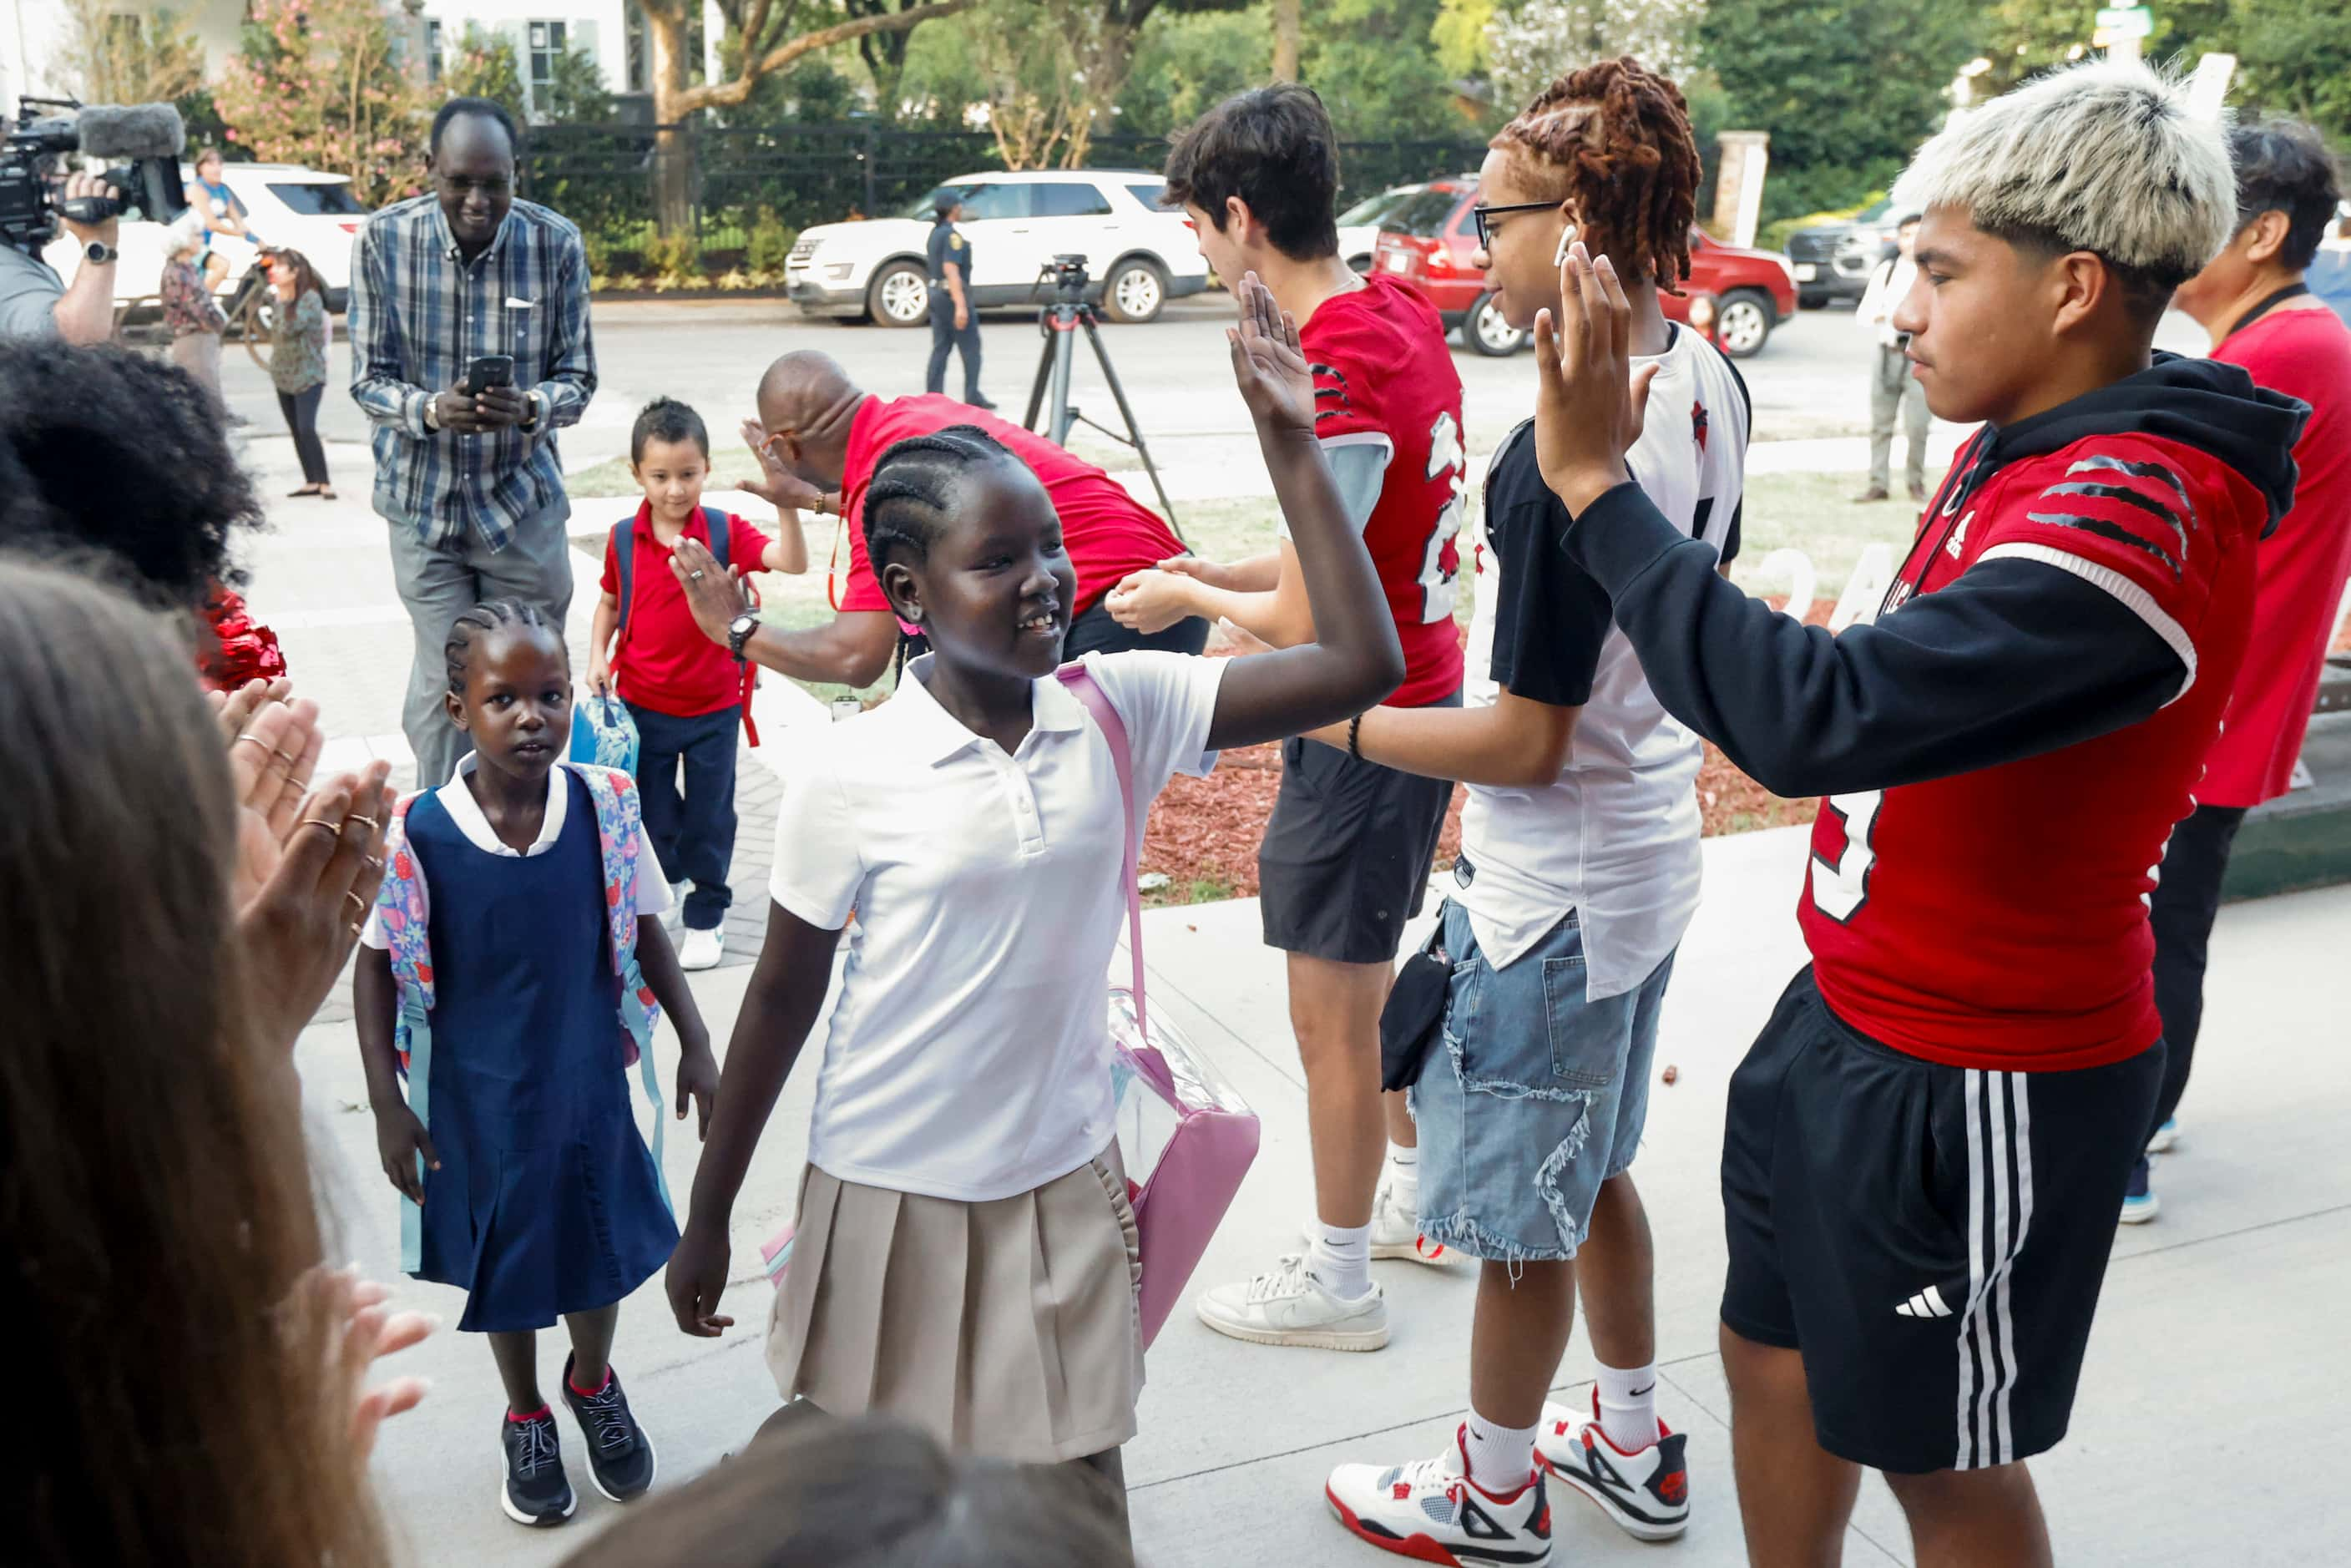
{"points": [[1059, 324]]}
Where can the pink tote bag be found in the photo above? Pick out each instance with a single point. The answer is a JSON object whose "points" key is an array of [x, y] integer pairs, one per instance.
{"points": [[1186, 1138]]}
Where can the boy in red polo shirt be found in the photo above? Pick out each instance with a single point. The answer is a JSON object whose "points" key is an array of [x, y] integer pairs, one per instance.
{"points": [[683, 690]]}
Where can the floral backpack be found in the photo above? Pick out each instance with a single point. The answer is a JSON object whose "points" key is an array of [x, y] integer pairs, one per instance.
{"points": [[405, 908]]}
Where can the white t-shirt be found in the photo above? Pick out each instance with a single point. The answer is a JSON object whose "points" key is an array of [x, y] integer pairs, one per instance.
{"points": [[968, 1051], [653, 887], [1615, 836]]}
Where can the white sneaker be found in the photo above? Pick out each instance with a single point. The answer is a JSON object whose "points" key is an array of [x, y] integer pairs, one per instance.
{"points": [[1395, 1233], [1647, 1493], [1290, 1306], [702, 949], [1432, 1511], [674, 914], [2165, 1139]]}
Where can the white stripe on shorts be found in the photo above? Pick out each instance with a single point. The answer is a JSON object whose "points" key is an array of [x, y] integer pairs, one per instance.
{"points": [[2000, 1124]]}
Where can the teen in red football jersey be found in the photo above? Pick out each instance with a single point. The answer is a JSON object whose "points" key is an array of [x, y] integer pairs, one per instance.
{"points": [[1345, 859], [1926, 1148]]}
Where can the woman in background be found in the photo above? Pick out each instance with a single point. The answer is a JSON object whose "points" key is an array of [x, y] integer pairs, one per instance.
{"points": [[297, 362], [189, 308]]}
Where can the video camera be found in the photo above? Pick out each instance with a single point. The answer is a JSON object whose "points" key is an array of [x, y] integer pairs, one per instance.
{"points": [[148, 136], [1067, 273]]}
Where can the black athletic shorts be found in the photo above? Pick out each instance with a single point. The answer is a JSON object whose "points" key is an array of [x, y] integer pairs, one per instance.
{"points": [[1932, 1239], [1345, 858]]}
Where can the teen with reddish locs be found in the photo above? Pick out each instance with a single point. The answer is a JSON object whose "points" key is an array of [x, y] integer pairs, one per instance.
{"points": [[1578, 875], [2260, 315], [1345, 859], [1926, 1148]]}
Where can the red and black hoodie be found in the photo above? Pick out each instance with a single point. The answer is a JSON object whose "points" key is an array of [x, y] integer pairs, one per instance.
{"points": [[2006, 748]]}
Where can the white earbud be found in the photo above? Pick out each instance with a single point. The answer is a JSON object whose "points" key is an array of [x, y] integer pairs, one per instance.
{"points": [[1566, 238]]}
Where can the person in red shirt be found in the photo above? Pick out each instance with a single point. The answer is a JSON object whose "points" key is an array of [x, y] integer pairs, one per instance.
{"points": [[1924, 1152], [1345, 859], [682, 691], [2252, 300], [819, 436]]}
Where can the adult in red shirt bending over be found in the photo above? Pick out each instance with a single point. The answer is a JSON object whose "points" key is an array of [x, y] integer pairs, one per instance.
{"points": [[2254, 302], [824, 436]]}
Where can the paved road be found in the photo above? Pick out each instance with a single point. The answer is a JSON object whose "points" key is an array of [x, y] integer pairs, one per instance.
{"points": [[1807, 383]]}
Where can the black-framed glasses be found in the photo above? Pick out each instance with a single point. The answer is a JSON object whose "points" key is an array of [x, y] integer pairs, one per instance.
{"points": [[1483, 215]]}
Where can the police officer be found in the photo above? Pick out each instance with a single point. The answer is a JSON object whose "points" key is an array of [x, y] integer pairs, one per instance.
{"points": [[953, 324]]}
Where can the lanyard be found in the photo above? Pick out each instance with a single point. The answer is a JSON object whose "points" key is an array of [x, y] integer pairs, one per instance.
{"points": [[2289, 291]]}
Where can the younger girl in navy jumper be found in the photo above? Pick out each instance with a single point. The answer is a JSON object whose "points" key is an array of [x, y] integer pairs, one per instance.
{"points": [[537, 1197]]}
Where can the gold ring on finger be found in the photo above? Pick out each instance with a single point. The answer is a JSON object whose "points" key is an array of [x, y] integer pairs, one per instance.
{"points": [[357, 903], [331, 826], [357, 817]]}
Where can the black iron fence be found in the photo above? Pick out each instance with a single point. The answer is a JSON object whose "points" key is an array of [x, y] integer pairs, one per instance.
{"points": [[605, 178]]}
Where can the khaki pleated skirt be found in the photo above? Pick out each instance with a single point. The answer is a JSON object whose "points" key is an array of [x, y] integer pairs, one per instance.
{"points": [[1008, 1328]]}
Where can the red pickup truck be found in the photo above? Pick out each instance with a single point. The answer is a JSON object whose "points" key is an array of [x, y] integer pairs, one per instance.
{"points": [[1429, 240]]}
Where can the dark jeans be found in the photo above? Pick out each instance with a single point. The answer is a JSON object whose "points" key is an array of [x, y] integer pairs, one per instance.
{"points": [[2186, 901], [945, 339], [694, 835], [301, 412], [1096, 632]]}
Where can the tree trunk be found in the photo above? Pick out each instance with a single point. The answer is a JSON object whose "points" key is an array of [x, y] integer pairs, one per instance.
{"points": [[1286, 30], [666, 40]]}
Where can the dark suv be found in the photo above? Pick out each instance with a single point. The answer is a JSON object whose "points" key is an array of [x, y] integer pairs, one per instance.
{"points": [[1833, 261]]}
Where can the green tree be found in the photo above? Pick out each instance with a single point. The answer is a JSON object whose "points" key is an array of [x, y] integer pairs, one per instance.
{"points": [[113, 56], [319, 82], [771, 42], [483, 65], [1186, 65], [2293, 58], [575, 91], [1379, 73], [1847, 88]]}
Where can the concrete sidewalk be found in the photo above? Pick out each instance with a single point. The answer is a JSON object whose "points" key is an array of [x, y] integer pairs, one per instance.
{"points": [[2216, 1348]]}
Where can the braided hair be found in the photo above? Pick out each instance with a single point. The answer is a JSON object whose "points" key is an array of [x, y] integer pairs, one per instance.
{"points": [[488, 617], [1614, 138], [909, 501]]}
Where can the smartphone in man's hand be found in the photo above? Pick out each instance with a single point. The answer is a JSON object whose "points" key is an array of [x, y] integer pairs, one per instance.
{"points": [[488, 373]]}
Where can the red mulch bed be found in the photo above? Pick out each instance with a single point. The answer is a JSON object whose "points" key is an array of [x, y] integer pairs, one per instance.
{"points": [[1206, 830]]}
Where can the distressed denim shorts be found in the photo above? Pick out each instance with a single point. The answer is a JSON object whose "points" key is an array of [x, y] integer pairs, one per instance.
{"points": [[1539, 1097]]}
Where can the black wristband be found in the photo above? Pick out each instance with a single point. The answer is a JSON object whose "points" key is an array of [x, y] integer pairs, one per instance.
{"points": [[1354, 737]]}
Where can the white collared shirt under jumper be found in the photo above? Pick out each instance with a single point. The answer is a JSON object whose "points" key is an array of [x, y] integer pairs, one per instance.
{"points": [[967, 1055], [457, 799]]}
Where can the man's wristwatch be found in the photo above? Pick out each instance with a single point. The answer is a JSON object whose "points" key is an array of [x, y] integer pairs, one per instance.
{"points": [[98, 253], [738, 632], [534, 404], [432, 410]]}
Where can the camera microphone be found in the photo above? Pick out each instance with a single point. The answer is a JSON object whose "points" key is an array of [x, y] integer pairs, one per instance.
{"points": [[132, 130]]}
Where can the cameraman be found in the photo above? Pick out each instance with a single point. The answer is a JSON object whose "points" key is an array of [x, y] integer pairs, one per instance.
{"points": [[34, 301]]}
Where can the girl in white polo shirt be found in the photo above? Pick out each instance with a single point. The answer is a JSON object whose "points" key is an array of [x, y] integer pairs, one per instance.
{"points": [[965, 1257]]}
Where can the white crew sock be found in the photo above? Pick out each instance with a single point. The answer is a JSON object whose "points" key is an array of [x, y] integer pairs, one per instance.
{"points": [[1404, 1175], [1628, 1406], [1501, 1458], [1341, 1258]]}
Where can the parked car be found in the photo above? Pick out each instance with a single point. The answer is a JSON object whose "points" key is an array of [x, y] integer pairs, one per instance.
{"points": [[1832, 260], [1140, 254], [1359, 226], [1430, 241], [312, 212]]}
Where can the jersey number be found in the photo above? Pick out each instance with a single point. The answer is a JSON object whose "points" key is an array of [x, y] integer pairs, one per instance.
{"points": [[1440, 564], [1842, 889]]}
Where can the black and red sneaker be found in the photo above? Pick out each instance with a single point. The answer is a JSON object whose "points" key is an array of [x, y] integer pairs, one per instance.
{"points": [[620, 1455], [1647, 1492], [534, 1489]]}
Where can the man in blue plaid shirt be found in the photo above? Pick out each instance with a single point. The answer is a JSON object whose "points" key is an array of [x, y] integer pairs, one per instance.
{"points": [[469, 480]]}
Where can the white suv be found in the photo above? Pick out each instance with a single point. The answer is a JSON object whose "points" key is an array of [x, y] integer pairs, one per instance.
{"points": [[1139, 253]]}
